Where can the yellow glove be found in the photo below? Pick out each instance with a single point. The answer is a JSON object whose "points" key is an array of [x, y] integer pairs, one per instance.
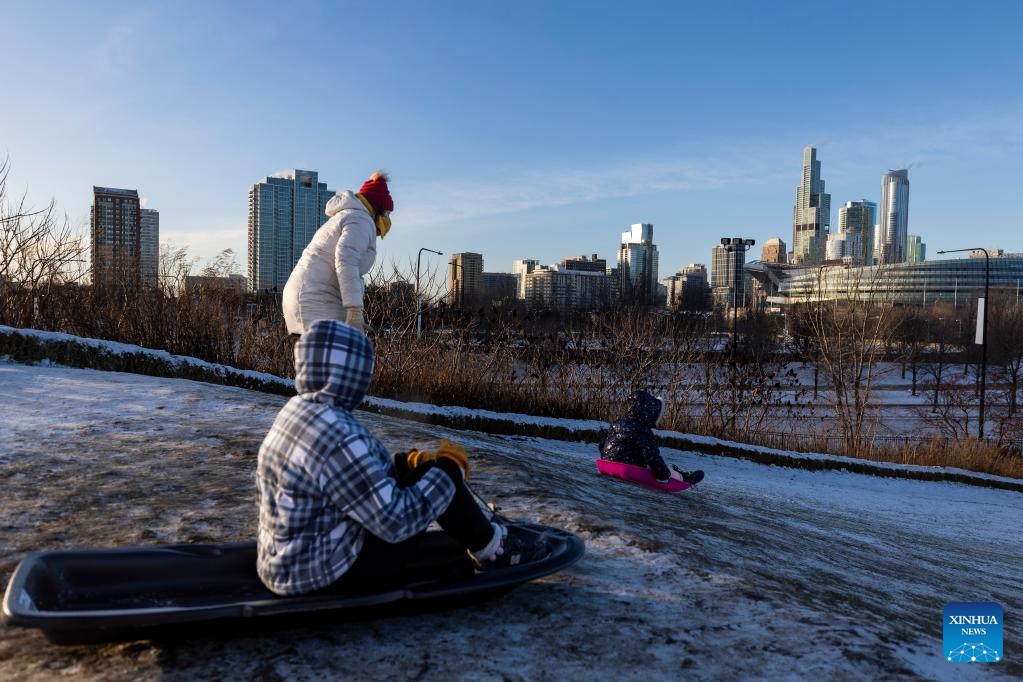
{"points": [[456, 453], [448, 450]]}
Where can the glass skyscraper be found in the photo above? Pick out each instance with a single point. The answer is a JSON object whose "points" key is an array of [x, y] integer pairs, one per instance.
{"points": [[894, 217], [285, 210], [637, 264], [858, 218], [916, 250]]}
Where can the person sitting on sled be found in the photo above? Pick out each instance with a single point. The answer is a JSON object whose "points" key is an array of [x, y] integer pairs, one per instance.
{"points": [[335, 508], [630, 440]]}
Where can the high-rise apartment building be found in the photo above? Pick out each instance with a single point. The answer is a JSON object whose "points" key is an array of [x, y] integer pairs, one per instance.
{"points": [[465, 280], [149, 246], [637, 265], [894, 216], [115, 227], [811, 216], [774, 251], [570, 290], [520, 269], [858, 218], [285, 210]]}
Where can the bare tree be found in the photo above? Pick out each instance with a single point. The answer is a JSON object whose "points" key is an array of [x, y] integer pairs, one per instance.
{"points": [[850, 333], [909, 337], [38, 250], [224, 264], [174, 266]]}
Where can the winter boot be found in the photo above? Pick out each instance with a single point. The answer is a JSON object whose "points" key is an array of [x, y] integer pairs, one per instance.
{"points": [[690, 477], [513, 549]]}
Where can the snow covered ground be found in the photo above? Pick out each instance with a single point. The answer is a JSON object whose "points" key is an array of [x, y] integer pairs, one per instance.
{"points": [[762, 572]]}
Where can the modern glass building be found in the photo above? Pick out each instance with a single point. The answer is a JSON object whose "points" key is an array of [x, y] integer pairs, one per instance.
{"points": [[956, 281], [637, 264], [811, 215], [729, 283], [285, 210], [916, 250], [858, 218]]}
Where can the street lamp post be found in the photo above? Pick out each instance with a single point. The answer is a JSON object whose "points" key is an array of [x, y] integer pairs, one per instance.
{"points": [[982, 314], [732, 245], [419, 296]]}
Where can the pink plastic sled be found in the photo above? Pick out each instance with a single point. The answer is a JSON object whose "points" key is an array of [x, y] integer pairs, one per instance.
{"points": [[641, 475]]}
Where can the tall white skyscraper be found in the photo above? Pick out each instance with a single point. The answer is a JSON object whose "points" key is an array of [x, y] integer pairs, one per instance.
{"points": [[637, 264], [285, 210], [811, 216], [894, 216]]}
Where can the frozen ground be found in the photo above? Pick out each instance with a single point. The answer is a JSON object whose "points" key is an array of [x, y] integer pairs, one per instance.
{"points": [[760, 573]]}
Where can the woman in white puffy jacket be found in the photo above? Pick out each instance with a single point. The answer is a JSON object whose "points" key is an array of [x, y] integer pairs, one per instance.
{"points": [[327, 282]]}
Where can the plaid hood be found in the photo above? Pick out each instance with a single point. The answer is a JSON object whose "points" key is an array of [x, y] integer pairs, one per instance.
{"points": [[333, 364]]}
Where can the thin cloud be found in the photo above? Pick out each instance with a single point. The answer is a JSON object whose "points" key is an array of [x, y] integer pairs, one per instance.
{"points": [[446, 201]]}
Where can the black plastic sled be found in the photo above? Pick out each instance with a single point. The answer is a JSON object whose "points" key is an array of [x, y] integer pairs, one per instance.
{"points": [[98, 595]]}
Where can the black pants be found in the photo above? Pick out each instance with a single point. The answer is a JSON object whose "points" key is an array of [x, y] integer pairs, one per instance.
{"points": [[429, 555]]}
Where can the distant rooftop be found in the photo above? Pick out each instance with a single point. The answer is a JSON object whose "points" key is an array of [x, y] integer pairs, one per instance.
{"points": [[114, 190]]}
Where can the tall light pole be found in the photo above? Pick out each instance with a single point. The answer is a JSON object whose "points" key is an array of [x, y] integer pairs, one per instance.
{"points": [[419, 296], [982, 320], [733, 245]]}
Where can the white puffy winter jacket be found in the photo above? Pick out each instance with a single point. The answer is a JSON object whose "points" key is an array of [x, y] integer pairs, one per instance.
{"points": [[329, 273]]}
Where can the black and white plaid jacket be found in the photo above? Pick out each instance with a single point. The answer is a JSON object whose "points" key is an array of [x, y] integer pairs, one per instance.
{"points": [[324, 481]]}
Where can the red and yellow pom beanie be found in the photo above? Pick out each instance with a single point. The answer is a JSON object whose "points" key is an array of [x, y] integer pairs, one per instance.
{"points": [[375, 191]]}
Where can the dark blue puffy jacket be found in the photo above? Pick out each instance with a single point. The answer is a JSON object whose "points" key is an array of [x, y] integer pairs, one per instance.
{"points": [[631, 440]]}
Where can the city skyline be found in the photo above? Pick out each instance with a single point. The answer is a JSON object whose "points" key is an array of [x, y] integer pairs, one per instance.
{"points": [[512, 153]]}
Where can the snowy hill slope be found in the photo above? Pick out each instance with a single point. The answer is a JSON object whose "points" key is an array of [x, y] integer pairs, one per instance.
{"points": [[760, 573]]}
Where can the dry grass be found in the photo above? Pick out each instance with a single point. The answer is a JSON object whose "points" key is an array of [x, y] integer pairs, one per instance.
{"points": [[499, 363]]}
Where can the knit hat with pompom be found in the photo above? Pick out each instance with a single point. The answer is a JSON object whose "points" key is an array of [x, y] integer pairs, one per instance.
{"points": [[375, 191]]}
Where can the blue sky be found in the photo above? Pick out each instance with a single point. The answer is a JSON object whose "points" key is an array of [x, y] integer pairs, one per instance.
{"points": [[523, 129]]}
